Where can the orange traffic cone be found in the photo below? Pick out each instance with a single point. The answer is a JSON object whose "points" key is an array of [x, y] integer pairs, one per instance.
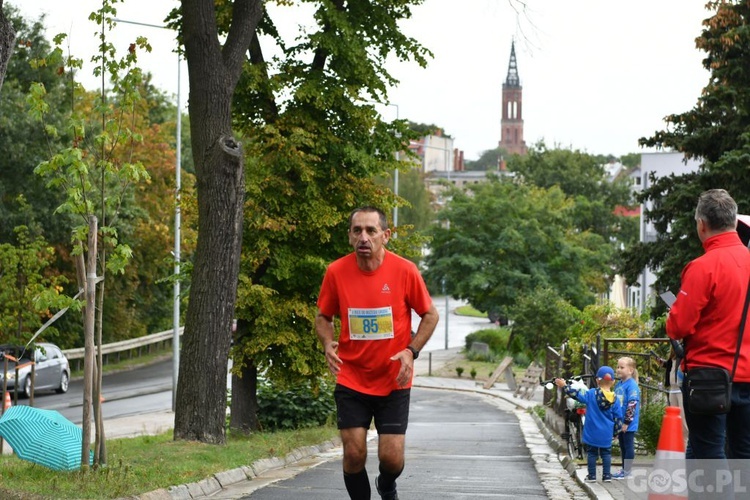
{"points": [[667, 479], [7, 404]]}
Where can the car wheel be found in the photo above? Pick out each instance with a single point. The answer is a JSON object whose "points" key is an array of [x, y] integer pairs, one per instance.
{"points": [[27, 386], [64, 381]]}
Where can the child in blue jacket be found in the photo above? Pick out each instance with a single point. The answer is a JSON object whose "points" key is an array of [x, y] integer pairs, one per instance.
{"points": [[629, 394], [603, 420]]}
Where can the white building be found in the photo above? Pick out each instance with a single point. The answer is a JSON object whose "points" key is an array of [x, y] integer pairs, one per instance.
{"points": [[437, 154], [661, 165]]}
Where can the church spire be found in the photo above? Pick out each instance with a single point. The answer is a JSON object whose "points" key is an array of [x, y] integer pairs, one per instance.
{"points": [[511, 123], [512, 79]]}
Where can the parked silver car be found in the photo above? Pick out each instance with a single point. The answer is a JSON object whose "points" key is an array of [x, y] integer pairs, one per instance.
{"points": [[52, 370]]}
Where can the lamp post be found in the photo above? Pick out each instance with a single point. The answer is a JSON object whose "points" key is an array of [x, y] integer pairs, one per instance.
{"points": [[395, 174], [446, 313], [177, 223]]}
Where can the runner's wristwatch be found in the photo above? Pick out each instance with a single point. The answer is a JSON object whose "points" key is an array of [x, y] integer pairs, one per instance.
{"points": [[414, 352]]}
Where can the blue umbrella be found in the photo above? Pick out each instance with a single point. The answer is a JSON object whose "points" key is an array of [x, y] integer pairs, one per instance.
{"points": [[44, 437]]}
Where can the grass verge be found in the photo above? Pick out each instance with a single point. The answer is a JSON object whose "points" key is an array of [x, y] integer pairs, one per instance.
{"points": [[468, 310], [147, 463]]}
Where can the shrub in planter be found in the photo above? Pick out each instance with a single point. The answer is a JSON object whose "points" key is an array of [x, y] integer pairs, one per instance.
{"points": [[496, 338]]}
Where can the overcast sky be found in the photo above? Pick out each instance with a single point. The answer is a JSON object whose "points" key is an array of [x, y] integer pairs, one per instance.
{"points": [[596, 74]]}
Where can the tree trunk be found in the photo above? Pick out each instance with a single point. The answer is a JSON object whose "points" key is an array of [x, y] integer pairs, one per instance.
{"points": [[7, 38], [88, 334], [200, 407], [244, 411], [244, 415]]}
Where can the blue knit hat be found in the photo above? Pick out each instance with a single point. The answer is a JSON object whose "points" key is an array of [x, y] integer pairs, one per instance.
{"points": [[605, 373]]}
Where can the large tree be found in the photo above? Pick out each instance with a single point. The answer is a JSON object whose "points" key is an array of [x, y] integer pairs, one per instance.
{"points": [[582, 177], [716, 130], [22, 142], [214, 65], [316, 145], [500, 239]]}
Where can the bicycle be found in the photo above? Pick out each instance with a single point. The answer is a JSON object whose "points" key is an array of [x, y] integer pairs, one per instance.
{"points": [[575, 417]]}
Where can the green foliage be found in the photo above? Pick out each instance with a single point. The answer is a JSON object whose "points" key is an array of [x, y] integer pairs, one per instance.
{"points": [[27, 293], [486, 357], [424, 129], [418, 213], [296, 407], [715, 130], [495, 338], [500, 237], [22, 142], [315, 146], [631, 160], [459, 370], [473, 373], [649, 427], [606, 321], [488, 160], [581, 177], [539, 410], [42, 106], [97, 146], [541, 317]]}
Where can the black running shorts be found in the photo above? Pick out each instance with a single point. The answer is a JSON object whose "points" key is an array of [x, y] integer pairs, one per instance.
{"points": [[356, 409]]}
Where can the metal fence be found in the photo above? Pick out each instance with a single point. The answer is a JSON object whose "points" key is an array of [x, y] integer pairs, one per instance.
{"points": [[125, 349], [651, 373]]}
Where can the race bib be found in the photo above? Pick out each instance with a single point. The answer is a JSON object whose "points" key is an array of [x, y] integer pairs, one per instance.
{"points": [[371, 324]]}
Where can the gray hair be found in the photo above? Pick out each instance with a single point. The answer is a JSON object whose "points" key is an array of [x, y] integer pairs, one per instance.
{"points": [[382, 219], [717, 209]]}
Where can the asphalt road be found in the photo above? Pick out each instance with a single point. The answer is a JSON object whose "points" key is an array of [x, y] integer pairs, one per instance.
{"points": [[143, 390], [458, 446]]}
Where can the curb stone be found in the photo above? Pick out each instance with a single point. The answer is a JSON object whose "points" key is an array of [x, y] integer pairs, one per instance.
{"points": [[559, 486]]}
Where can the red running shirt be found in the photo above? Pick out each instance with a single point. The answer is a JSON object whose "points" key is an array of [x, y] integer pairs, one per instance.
{"points": [[375, 311]]}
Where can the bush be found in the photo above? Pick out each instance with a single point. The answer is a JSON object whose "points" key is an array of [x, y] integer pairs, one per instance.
{"points": [[295, 408], [540, 318], [487, 357], [605, 321], [496, 338], [649, 427]]}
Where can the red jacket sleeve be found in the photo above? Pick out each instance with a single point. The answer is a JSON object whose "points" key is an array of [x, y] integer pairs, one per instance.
{"points": [[692, 298]]}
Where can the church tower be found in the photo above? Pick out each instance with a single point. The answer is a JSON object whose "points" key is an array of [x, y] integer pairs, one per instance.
{"points": [[511, 124]]}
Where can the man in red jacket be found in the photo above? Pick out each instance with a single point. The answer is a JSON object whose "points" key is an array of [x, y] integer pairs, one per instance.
{"points": [[706, 316]]}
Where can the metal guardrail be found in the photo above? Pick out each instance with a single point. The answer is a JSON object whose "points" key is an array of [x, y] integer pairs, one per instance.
{"points": [[131, 347]]}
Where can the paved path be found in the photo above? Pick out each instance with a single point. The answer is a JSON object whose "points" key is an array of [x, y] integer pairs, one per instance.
{"points": [[455, 454], [545, 472]]}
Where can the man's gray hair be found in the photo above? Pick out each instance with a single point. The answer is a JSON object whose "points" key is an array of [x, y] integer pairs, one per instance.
{"points": [[717, 209]]}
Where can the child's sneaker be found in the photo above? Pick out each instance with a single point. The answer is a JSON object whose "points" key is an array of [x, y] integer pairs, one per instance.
{"points": [[607, 478], [590, 479], [620, 475]]}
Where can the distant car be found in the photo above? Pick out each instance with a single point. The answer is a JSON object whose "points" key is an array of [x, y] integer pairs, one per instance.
{"points": [[52, 370]]}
